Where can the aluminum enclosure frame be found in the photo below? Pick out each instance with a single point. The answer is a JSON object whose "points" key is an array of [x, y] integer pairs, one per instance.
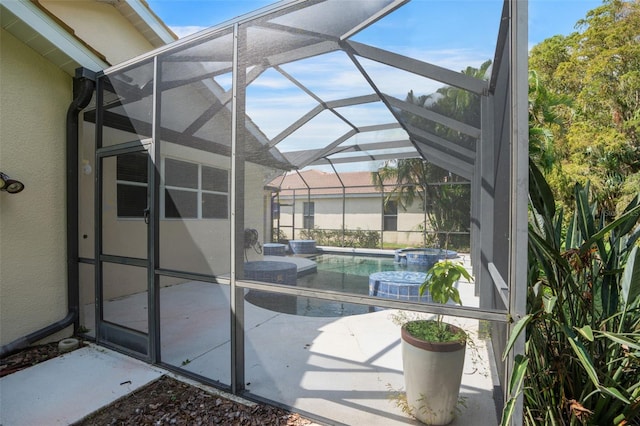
{"points": [[497, 168]]}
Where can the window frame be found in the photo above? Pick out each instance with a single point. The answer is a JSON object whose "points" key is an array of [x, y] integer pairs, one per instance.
{"points": [[308, 214], [198, 190], [131, 183], [389, 215]]}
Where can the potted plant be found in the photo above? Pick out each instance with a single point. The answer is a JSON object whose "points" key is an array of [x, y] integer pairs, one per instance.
{"points": [[433, 351]]}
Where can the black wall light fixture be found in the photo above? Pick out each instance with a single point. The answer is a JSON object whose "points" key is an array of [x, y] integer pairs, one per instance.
{"points": [[9, 185]]}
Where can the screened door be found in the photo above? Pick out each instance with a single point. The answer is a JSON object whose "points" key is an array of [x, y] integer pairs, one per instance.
{"points": [[122, 248]]}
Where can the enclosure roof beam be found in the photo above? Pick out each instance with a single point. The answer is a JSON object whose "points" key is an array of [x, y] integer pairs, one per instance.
{"points": [[303, 52], [337, 176], [303, 181], [206, 76], [365, 157], [296, 125], [446, 161], [503, 36], [313, 95], [207, 115], [356, 100], [223, 57], [373, 146], [276, 9], [298, 31], [302, 158], [434, 116], [440, 143], [327, 150], [379, 15], [415, 66]]}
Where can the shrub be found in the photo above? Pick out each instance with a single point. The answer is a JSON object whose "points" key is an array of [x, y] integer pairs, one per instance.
{"points": [[357, 238]]}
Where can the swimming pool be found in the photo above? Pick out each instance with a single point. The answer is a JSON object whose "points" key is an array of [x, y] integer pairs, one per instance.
{"points": [[336, 272], [355, 264]]}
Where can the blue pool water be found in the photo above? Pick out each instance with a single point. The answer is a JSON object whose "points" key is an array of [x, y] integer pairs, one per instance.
{"points": [[356, 265], [335, 272]]}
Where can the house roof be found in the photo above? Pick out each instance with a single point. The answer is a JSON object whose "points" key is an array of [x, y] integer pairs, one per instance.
{"points": [[326, 183]]}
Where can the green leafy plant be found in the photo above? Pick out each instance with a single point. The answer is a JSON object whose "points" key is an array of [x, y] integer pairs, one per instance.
{"points": [[440, 283], [582, 351], [82, 329]]}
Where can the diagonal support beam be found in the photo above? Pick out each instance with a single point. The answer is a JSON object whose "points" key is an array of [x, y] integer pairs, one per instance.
{"points": [[440, 143], [327, 150], [434, 116], [446, 161], [365, 157], [295, 126], [415, 66]]}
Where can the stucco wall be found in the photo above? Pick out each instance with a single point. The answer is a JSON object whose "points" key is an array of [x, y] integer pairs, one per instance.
{"points": [[101, 26], [361, 212], [191, 245], [35, 97]]}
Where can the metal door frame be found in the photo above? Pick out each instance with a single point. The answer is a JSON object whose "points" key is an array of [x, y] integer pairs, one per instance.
{"points": [[133, 342]]}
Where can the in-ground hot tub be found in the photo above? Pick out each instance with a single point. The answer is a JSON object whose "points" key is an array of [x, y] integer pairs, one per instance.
{"points": [[303, 246], [423, 257], [274, 249], [400, 285], [271, 272]]}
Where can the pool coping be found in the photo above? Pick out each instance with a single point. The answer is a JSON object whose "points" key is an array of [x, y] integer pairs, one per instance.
{"points": [[357, 251]]}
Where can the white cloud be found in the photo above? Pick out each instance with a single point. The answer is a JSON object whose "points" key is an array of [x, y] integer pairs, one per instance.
{"points": [[183, 31]]}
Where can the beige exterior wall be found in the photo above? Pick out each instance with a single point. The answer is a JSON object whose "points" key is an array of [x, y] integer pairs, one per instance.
{"points": [[35, 98], [33, 105], [101, 26], [191, 245], [361, 212]]}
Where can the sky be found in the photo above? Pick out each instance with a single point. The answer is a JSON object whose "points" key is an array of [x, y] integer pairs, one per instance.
{"points": [[546, 17]]}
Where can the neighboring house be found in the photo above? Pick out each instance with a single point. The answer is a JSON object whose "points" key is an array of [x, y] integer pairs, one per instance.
{"points": [[42, 43], [312, 199]]}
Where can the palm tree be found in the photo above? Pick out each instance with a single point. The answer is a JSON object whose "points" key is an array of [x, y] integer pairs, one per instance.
{"points": [[446, 206], [544, 108]]}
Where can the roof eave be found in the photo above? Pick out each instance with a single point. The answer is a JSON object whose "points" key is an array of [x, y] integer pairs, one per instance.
{"points": [[147, 22], [39, 31]]}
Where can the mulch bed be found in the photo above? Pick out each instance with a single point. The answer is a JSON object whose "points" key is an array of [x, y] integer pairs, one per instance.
{"points": [[167, 401], [28, 357]]}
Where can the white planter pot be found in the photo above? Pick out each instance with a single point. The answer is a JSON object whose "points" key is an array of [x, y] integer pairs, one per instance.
{"points": [[432, 376]]}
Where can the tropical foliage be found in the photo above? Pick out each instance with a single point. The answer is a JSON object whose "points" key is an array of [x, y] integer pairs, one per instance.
{"points": [[582, 354], [596, 136]]}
